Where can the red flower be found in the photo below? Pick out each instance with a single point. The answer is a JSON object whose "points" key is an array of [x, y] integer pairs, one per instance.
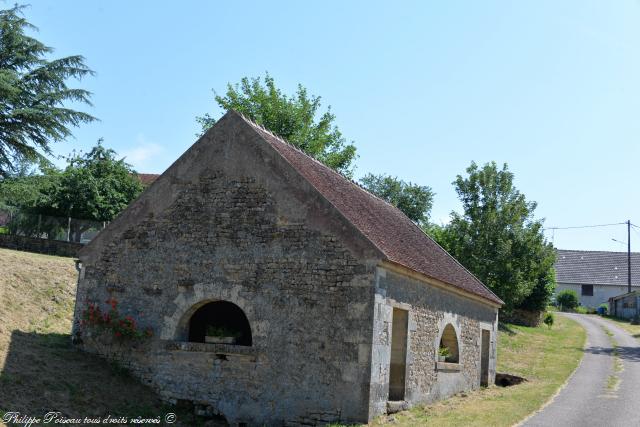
{"points": [[118, 334]]}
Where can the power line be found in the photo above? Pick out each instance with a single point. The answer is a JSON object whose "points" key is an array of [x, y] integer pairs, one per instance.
{"points": [[585, 226]]}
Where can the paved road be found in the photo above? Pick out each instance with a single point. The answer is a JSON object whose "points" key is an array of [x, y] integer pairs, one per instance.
{"points": [[587, 400]]}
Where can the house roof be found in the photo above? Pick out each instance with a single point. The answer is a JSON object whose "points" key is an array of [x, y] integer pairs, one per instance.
{"points": [[384, 225], [596, 267], [147, 178]]}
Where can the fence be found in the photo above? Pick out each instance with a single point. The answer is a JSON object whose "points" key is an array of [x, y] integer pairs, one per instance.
{"points": [[17, 222]]}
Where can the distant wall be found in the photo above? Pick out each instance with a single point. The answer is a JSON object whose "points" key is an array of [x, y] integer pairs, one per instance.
{"points": [[43, 246]]}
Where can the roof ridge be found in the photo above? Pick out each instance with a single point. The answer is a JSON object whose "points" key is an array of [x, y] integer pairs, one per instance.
{"points": [[284, 141], [595, 251]]}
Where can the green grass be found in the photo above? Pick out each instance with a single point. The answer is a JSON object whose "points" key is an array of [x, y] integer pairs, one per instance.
{"points": [[545, 357], [39, 369], [626, 325], [613, 380]]}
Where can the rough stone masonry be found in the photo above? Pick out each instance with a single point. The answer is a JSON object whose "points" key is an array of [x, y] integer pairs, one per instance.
{"points": [[304, 271]]}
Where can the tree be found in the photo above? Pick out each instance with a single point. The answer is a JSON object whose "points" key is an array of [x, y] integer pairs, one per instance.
{"points": [[95, 187], [290, 117], [497, 238], [33, 93], [414, 200]]}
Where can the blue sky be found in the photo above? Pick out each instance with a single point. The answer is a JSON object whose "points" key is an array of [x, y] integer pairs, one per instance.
{"points": [[423, 88]]}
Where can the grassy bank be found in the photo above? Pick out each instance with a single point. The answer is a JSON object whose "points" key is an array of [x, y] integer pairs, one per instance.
{"points": [[545, 357], [39, 370]]}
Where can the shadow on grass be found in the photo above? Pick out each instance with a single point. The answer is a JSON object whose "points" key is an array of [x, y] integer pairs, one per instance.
{"points": [[44, 373], [506, 328]]}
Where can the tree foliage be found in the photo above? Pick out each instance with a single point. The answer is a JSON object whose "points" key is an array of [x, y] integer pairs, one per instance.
{"points": [[295, 118], [33, 93], [497, 238], [414, 200], [95, 186]]}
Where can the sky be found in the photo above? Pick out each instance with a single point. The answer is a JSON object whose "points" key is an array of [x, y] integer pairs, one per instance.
{"points": [[422, 88]]}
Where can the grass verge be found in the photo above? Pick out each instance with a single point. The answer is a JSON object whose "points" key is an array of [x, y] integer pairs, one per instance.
{"points": [[546, 357], [626, 325]]}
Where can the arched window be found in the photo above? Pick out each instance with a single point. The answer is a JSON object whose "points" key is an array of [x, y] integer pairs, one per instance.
{"points": [[220, 322], [449, 340]]}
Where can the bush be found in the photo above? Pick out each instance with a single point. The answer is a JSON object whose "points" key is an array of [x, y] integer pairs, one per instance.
{"points": [[548, 319], [567, 299], [582, 310]]}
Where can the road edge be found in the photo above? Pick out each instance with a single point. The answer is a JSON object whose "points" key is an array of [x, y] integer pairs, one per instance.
{"points": [[562, 387]]}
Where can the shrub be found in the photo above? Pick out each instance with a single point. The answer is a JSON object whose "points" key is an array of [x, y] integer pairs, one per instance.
{"points": [[121, 326], [567, 299], [548, 319], [581, 309]]}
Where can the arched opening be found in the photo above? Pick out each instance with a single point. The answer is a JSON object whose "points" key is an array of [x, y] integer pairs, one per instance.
{"points": [[220, 322], [449, 344]]}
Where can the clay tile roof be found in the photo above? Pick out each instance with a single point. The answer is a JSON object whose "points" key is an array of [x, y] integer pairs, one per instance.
{"points": [[390, 230], [147, 178]]}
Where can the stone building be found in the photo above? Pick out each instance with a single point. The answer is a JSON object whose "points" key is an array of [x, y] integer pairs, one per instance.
{"points": [[280, 293]]}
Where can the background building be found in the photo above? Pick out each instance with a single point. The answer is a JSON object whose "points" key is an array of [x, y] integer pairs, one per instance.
{"points": [[596, 275]]}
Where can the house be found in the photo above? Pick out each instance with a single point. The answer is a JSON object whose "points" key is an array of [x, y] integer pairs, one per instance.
{"points": [[595, 275], [278, 292]]}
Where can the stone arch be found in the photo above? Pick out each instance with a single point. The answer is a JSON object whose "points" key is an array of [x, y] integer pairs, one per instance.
{"points": [[449, 336], [449, 339], [187, 303], [219, 322]]}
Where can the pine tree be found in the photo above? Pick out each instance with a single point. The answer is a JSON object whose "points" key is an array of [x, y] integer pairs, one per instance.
{"points": [[33, 93]]}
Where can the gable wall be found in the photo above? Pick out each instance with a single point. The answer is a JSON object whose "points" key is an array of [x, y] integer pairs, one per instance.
{"points": [[231, 222]]}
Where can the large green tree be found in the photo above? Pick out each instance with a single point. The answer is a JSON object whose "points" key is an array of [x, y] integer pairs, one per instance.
{"points": [[34, 93], [94, 187], [498, 239], [414, 200], [296, 118]]}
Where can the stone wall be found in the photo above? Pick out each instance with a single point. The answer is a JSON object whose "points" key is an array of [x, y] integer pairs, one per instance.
{"points": [[430, 310], [42, 246], [235, 234], [523, 317]]}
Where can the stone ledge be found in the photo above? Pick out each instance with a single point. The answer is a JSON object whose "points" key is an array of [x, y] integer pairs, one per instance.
{"points": [[446, 366], [211, 348]]}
